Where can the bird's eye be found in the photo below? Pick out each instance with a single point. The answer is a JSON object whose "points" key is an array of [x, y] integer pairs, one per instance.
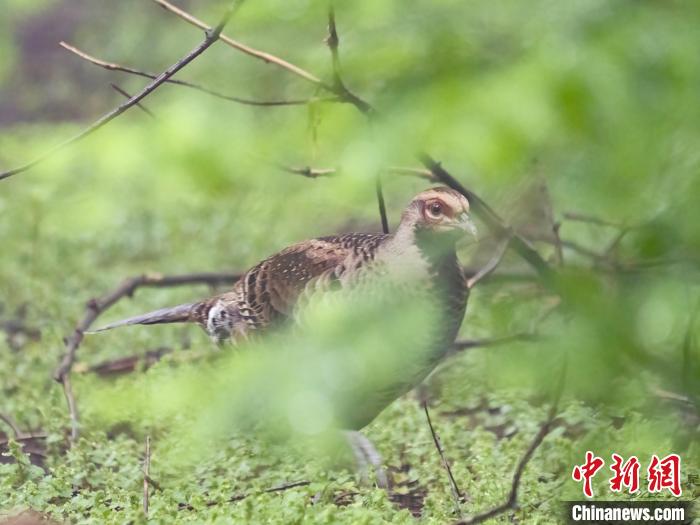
{"points": [[435, 209]]}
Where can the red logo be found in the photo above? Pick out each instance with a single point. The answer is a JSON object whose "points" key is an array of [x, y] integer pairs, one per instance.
{"points": [[626, 474], [665, 474], [586, 472], [661, 474]]}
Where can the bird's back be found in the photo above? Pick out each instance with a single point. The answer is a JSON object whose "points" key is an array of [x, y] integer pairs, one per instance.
{"points": [[270, 292]]}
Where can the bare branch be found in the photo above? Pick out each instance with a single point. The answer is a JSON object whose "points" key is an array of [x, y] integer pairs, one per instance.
{"points": [[212, 35], [96, 307], [111, 66], [456, 493], [511, 502], [308, 171]]}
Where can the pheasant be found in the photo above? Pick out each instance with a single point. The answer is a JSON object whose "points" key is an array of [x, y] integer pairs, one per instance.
{"points": [[418, 259]]}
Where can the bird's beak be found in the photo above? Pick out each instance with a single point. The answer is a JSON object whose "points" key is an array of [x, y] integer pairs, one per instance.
{"points": [[465, 223]]}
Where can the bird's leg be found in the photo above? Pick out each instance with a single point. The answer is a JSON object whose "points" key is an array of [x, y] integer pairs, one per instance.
{"points": [[365, 455]]}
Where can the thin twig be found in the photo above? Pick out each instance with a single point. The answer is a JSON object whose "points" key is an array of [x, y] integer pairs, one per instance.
{"points": [[558, 246], [413, 172], [381, 203], [287, 486], [581, 217], [555, 225], [212, 35], [112, 66], [511, 502], [72, 408], [312, 172], [332, 42], [493, 263], [146, 474], [339, 87], [308, 171], [243, 495], [616, 241], [624, 228], [138, 104], [465, 344], [573, 246], [96, 307], [278, 488], [456, 493]]}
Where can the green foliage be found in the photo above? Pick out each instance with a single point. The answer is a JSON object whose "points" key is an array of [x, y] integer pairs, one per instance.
{"points": [[597, 100]]}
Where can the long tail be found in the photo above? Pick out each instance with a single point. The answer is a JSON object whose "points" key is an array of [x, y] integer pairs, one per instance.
{"points": [[175, 314]]}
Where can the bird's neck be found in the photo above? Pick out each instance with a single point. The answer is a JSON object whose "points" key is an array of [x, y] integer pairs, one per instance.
{"points": [[428, 251], [438, 248]]}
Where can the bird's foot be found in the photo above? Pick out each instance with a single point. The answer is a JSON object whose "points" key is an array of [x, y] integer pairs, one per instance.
{"points": [[366, 455]]}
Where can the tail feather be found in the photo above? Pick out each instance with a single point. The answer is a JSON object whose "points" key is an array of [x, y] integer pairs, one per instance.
{"points": [[175, 314]]}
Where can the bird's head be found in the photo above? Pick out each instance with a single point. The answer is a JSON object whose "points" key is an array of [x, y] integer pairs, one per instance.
{"points": [[442, 212]]}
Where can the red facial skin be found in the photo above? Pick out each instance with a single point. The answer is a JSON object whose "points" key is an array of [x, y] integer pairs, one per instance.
{"points": [[444, 210]]}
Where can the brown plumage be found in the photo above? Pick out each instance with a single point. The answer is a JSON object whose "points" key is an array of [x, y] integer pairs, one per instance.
{"points": [[418, 257]]}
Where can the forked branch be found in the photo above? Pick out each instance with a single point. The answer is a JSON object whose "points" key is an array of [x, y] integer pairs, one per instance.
{"points": [[511, 502], [250, 51], [96, 307], [211, 36], [112, 66]]}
